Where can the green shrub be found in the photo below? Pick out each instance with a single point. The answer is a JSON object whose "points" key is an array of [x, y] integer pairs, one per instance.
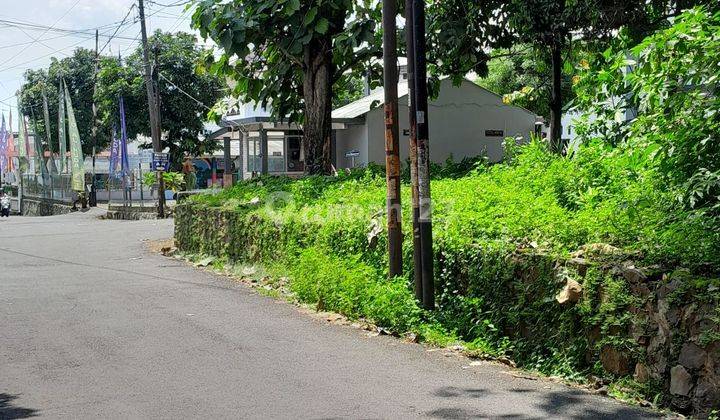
{"points": [[499, 233]]}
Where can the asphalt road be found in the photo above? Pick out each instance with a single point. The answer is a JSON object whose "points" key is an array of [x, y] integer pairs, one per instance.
{"points": [[94, 326]]}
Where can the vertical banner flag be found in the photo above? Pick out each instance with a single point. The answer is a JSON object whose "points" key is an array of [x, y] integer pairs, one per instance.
{"points": [[11, 149], [3, 146], [39, 150], [124, 161], [114, 154], [62, 137], [48, 135], [76, 154], [22, 145]]}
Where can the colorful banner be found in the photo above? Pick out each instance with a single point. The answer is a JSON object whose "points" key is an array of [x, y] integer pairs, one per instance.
{"points": [[3, 146], [76, 154], [11, 150], [40, 167], [22, 145], [62, 137], [48, 136]]}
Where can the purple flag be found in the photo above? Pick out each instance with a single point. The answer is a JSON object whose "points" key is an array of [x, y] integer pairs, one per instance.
{"points": [[114, 154]]}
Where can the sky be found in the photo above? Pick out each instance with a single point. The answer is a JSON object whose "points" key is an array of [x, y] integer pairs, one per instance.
{"points": [[24, 47]]}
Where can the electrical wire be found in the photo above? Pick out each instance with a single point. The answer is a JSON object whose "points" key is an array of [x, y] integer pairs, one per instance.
{"points": [[46, 31], [45, 56], [20, 44], [175, 4], [68, 32], [183, 92], [117, 29]]}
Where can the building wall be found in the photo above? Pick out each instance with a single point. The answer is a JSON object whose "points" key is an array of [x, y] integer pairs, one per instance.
{"points": [[458, 119], [352, 138]]}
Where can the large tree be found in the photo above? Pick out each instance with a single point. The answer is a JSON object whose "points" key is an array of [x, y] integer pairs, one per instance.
{"points": [[289, 55], [184, 94], [522, 76], [77, 71], [465, 32]]}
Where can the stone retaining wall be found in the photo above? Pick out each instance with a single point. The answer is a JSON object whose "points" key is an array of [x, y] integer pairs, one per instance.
{"points": [[44, 207], [131, 213]]}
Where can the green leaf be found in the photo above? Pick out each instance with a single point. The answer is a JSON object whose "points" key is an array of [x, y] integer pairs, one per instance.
{"points": [[310, 16], [322, 26]]}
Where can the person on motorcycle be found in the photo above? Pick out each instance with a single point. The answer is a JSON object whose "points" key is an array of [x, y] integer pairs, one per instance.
{"points": [[4, 204]]}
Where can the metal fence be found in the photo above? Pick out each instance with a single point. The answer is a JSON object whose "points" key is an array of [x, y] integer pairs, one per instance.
{"points": [[130, 191], [56, 187]]}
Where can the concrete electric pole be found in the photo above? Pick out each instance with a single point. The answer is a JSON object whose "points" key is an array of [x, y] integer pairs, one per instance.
{"points": [[154, 111]]}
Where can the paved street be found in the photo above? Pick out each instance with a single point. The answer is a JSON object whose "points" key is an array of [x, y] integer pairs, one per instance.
{"points": [[93, 326]]}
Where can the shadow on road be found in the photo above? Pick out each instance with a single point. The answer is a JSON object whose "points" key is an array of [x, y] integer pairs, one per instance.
{"points": [[556, 404], [8, 411]]}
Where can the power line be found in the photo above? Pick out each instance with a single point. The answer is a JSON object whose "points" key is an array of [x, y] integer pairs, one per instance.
{"points": [[20, 44], [34, 27], [183, 92], [175, 4], [46, 31], [44, 56], [117, 29]]}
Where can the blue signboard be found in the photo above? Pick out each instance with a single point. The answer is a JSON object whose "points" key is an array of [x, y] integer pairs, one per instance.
{"points": [[161, 162]]}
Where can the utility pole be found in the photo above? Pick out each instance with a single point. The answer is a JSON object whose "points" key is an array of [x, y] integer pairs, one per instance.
{"points": [[423, 153], [392, 141], [152, 106], [412, 150], [93, 193]]}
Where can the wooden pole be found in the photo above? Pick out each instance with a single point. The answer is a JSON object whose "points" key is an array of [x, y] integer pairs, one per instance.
{"points": [[392, 141], [93, 193]]}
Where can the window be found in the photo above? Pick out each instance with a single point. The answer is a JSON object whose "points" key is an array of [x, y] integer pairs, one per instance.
{"points": [[253, 155], [294, 151], [276, 154]]}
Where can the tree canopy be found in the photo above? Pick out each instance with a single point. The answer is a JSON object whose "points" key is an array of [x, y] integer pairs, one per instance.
{"points": [[184, 93], [77, 70], [288, 55], [668, 83]]}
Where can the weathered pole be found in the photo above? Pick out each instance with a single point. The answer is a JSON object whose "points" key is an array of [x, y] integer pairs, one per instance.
{"points": [[93, 194], [412, 151], [152, 106], [392, 141], [423, 153]]}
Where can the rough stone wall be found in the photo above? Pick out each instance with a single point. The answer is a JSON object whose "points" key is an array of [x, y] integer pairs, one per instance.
{"points": [[40, 207]]}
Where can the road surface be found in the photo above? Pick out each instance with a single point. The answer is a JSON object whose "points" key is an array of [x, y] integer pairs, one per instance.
{"points": [[94, 326]]}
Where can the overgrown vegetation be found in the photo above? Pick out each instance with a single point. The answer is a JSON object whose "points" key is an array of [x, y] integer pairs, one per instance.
{"points": [[507, 238], [500, 230]]}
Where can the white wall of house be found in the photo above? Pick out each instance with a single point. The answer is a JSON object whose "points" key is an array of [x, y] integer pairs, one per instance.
{"points": [[458, 120], [352, 138]]}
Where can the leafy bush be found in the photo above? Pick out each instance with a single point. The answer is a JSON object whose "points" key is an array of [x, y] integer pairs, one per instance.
{"points": [[318, 227], [669, 85], [174, 181]]}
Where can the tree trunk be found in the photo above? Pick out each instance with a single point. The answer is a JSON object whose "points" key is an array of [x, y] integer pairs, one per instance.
{"points": [[556, 142], [317, 93]]}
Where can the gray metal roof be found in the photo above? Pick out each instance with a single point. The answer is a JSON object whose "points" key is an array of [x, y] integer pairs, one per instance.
{"points": [[364, 105]]}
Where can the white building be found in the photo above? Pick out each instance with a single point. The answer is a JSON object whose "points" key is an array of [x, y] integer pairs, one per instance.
{"points": [[464, 121]]}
